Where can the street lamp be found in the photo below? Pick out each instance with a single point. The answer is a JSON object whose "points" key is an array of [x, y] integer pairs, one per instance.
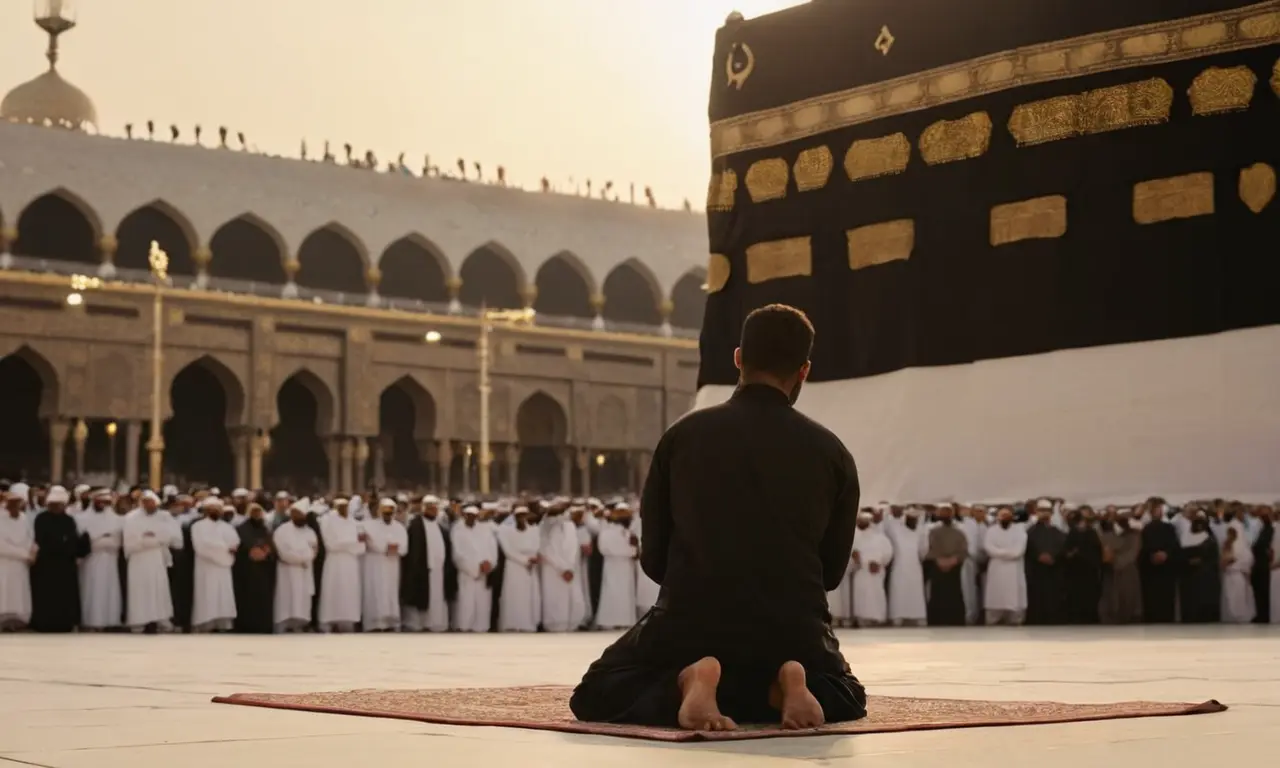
{"points": [[487, 318], [432, 337], [159, 261], [112, 427]]}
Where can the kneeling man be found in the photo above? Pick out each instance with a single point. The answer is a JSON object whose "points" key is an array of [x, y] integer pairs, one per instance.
{"points": [[749, 512]]}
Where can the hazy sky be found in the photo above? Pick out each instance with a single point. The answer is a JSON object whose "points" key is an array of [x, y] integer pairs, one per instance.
{"points": [[600, 89]]}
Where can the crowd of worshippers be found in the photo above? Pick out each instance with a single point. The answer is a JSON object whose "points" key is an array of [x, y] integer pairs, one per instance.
{"points": [[95, 560], [1045, 562]]}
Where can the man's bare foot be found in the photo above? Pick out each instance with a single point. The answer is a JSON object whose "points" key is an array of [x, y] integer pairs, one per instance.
{"points": [[698, 708], [792, 696]]}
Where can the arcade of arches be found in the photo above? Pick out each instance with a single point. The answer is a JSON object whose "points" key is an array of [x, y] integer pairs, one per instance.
{"points": [[59, 226]]}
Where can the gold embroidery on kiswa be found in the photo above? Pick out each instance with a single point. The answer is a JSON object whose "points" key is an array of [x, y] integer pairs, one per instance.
{"points": [[1257, 186], [949, 140], [1275, 78], [1038, 218], [776, 259], [767, 179], [1175, 40], [721, 190], [1179, 197], [813, 168], [870, 158], [717, 272], [1146, 102], [1222, 90], [881, 243]]}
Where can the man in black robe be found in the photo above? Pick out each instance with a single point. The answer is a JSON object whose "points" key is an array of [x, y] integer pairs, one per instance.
{"points": [[1046, 545], [182, 572], [495, 577], [415, 573], [254, 575], [1082, 556], [1261, 576], [948, 549], [123, 506], [1158, 565], [741, 630], [1200, 586], [55, 578], [317, 565]]}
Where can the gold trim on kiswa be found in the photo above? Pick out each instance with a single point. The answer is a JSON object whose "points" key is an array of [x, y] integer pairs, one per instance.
{"points": [[1258, 186], [949, 140], [881, 243], [1178, 197], [872, 158], [777, 259], [1145, 102], [767, 179], [717, 272], [1237, 29], [1219, 89], [1035, 219], [813, 168], [721, 189], [1275, 77]]}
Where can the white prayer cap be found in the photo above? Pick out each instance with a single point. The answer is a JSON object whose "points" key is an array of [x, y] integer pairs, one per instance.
{"points": [[172, 490], [1044, 504], [945, 505], [471, 509], [240, 493], [913, 512], [228, 507], [215, 490], [303, 505], [341, 501], [432, 500], [1124, 511], [81, 489], [402, 498], [521, 510], [489, 506], [210, 502], [150, 494], [865, 517], [57, 495], [387, 504], [283, 495], [20, 490], [1069, 507], [100, 492], [594, 502]]}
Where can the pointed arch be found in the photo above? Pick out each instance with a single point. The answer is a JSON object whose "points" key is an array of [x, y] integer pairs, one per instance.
{"points": [[413, 267], [248, 248], [305, 415], [28, 398], [44, 370], [324, 398], [688, 299], [59, 225], [541, 421], [565, 287], [206, 400], [632, 294], [333, 258], [492, 276], [163, 223], [233, 389], [424, 405]]}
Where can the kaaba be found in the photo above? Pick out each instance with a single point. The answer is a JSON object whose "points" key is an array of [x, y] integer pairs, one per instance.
{"points": [[1039, 242]]}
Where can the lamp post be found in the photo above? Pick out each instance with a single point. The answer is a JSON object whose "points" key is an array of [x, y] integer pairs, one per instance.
{"points": [[159, 261], [111, 448], [487, 318]]}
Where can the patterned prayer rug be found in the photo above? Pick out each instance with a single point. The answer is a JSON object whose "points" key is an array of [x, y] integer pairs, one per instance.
{"points": [[547, 708]]}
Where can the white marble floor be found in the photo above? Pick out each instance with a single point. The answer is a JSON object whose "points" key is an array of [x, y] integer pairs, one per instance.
{"points": [[105, 701]]}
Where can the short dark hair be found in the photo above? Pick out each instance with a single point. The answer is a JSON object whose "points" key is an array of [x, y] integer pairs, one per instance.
{"points": [[777, 340]]}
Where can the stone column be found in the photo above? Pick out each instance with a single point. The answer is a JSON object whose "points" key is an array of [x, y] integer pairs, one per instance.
{"points": [[8, 236], [257, 446], [513, 468], [665, 309], [241, 438], [381, 454], [427, 456], [107, 245], [583, 457], [372, 279], [361, 459], [444, 463], [202, 256], [132, 441], [291, 268], [567, 459], [529, 294], [454, 286], [80, 436], [597, 307], [333, 450], [346, 456], [58, 431]]}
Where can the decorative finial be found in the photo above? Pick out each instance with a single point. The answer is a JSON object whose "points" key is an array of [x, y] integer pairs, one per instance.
{"points": [[734, 17], [54, 17], [159, 261]]}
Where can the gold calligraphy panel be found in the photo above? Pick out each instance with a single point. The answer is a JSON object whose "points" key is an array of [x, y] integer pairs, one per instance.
{"points": [[1218, 90], [813, 168], [871, 158], [717, 272], [949, 140], [1178, 197], [881, 243], [767, 179], [1258, 186], [1038, 218], [777, 259], [721, 190], [1146, 102]]}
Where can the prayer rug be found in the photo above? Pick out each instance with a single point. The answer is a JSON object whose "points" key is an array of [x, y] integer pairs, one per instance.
{"points": [[547, 708]]}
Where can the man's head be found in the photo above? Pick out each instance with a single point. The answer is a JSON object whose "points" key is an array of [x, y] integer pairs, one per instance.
{"points": [[621, 514], [1044, 511], [430, 507], [912, 517], [298, 512], [150, 502], [945, 514], [256, 513], [469, 515], [57, 499], [775, 347], [341, 506], [212, 508], [386, 509], [1005, 516], [521, 514], [864, 520]]}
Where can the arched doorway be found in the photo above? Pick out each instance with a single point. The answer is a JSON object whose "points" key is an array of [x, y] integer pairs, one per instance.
{"points": [[58, 226], [542, 429], [689, 299], [207, 399], [297, 460], [631, 295], [564, 287], [490, 277], [407, 420], [331, 260], [413, 269], [162, 223], [247, 248], [28, 395]]}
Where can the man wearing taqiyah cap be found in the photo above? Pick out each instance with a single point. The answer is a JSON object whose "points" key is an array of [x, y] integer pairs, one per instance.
{"points": [[1005, 598], [55, 575], [520, 597], [296, 546], [428, 577], [19, 550], [1045, 567], [215, 543], [386, 542], [872, 554], [80, 498], [339, 609], [101, 600], [148, 535], [475, 552]]}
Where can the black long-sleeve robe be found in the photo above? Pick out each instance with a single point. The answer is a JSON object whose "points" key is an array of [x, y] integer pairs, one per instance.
{"points": [[55, 578], [1046, 597], [494, 581], [255, 582], [946, 591], [317, 568], [1159, 580], [415, 575], [182, 580], [1200, 587], [1261, 576], [1082, 559]]}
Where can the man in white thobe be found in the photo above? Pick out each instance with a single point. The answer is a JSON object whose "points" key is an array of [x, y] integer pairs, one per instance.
{"points": [[840, 599], [872, 554], [340, 588], [619, 548], [520, 542], [101, 601], [149, 534], [475, 553], [906, 579], [385, 541], [563, 605], [972, 524], [587, 533], [1238, 605], [17, 553], [215, 543], [1005, 596], [296, 547]]}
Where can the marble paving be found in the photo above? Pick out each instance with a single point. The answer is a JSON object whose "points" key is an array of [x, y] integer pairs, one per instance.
{"points": [[109, 701]]}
